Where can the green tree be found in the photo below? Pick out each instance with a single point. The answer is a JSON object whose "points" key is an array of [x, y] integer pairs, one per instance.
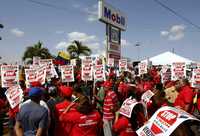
{"points": [[36, 50], [77, 48]]}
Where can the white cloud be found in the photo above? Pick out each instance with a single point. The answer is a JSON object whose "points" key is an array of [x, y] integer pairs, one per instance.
{"points": [[59, 32], [90, 40], [92, 13], [62, 44], [17, 32], [176, 32]]}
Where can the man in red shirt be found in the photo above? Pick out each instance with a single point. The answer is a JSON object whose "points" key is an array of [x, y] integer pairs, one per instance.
{"points": [[185, 97], [109, 108], [62, 128]]}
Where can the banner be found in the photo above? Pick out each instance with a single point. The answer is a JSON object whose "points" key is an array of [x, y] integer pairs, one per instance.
{"points": [[178, 70], [41, 74], [99, 73], [196, 78], [111, 62], [67, 73], [14, 95], [164, 121], [30, 76], [147, 96], [165, 73], [122, 65], [9, 75], [127, 107], [142, 67], [87, 69]]}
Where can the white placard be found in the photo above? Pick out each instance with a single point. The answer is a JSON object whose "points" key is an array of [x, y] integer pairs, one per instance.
{"points": [[196, 78], [87, 69], [127, 107], [99, 73], [165, 73], [142, 67], [67, 73], [36, 60], [164, 121], [147, 96], [178, 70], [31, 76], [111, 62], [122, 65], [14, 95], [41, 74], [9, 75]]}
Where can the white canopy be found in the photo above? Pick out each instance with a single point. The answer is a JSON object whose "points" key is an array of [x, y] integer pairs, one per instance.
{"points": [[167, 58]]}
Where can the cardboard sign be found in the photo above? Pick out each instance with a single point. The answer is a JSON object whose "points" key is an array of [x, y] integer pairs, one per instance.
{"points": [[122, 65], [41, 74], [142, 67], [30, 76], [67, 73], [14, 95], [9, 75], [111, 62], [87, 69], [196, 78], [127, 107], [178, 70], [99, 73], [147, 96], [164, 122], [165, 73]]}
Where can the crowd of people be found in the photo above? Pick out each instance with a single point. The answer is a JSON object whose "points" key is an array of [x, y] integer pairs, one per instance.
{"points": [[92, 108]]}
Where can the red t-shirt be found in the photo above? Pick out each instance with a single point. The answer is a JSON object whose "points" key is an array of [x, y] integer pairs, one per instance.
{"points": [[184, 97], [62, 128], [110, 101], [123, 127], [83, 125]]}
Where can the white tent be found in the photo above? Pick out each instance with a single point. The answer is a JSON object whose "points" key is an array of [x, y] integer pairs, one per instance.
{"points": [[167, 58]]}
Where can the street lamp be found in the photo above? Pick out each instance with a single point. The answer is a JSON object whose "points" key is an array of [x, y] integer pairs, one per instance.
{"points": [[137, 45]]}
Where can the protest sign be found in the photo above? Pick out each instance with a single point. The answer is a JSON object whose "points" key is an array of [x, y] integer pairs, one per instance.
{"points": [[142, 67], [41, 74], [111, 62], [164, 121], [87, 69], [30, 76], [165, 73], [9, 75], [36, 60], [73, 62], [147, 96], [14, 95], [99, 73], [178, 70], [127, 107], [122, 65], [67, 73], [196, 78]]}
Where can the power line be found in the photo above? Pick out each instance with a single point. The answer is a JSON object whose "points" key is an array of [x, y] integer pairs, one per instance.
{"points": [[177, 14]]}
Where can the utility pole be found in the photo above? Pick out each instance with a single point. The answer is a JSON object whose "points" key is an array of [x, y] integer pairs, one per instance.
{"points": [[1, 26], [137, 45]]}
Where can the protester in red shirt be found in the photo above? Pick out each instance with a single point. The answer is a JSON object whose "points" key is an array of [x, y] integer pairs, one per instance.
{"points": [[85, 120], [185, 97], [61, 128], [109, 108]]}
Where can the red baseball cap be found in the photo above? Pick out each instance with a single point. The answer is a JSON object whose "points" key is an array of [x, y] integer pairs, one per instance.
{"points": [[66, 91], [107, 84]]}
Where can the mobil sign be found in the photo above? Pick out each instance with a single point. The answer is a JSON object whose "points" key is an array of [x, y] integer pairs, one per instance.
{"points": [[111, 15]]}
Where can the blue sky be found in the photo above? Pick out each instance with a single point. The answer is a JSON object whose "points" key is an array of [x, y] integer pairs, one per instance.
{"points": [[155, 28]]}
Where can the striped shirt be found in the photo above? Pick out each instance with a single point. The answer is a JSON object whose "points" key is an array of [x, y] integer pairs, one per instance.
{"points": [[110, 101]]}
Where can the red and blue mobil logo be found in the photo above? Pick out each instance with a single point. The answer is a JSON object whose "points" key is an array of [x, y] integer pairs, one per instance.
{"points": [[114, 16], [164, 120]]}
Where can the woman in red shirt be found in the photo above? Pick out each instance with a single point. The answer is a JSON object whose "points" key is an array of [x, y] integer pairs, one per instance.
{"points": [[85, 120]]}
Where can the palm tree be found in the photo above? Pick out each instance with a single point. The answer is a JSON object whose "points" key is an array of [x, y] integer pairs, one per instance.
{"points": [[77, 48], [36, 50]]}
